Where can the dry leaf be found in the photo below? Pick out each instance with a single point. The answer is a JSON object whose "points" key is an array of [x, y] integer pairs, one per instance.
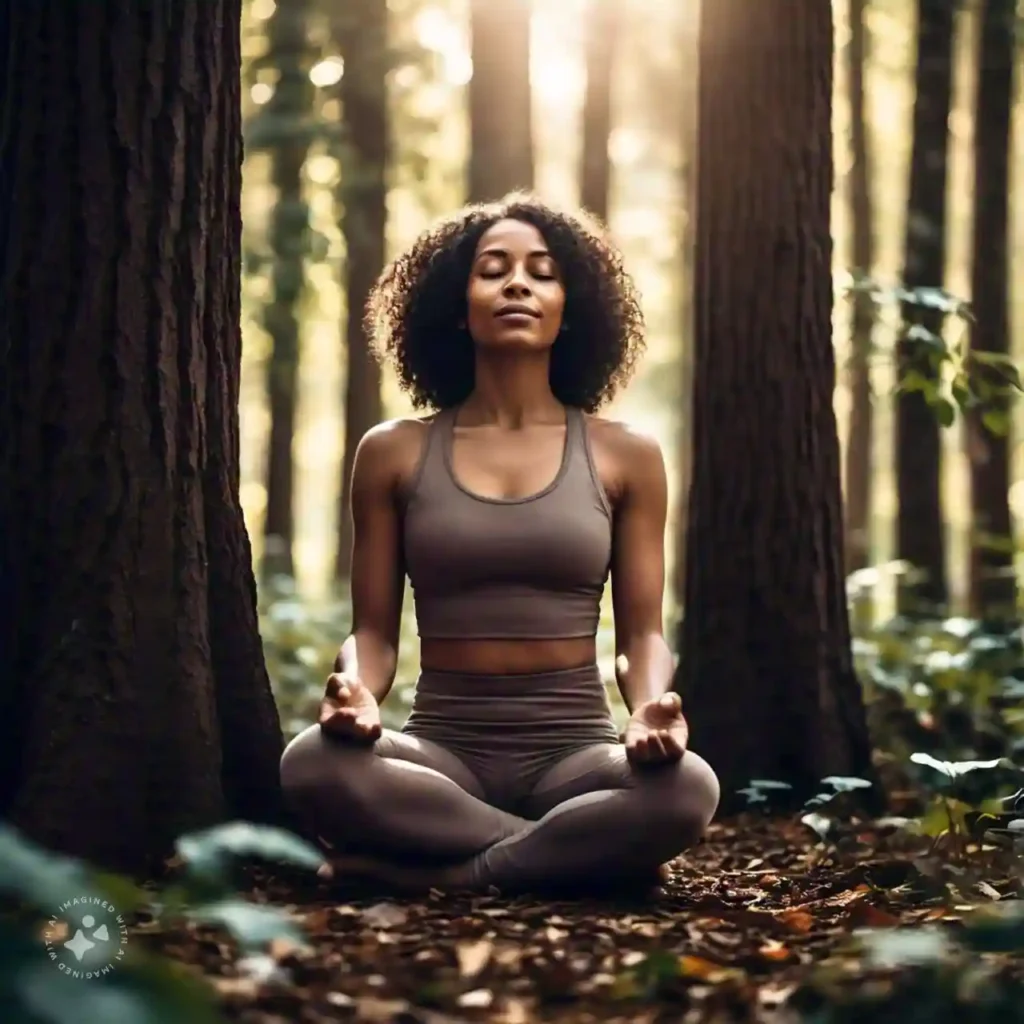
{"points": [[478, 999], [698, 967], [385, 915], [515, 1012], [473, 957], [774, 951], [865, 915], [799, 921]]}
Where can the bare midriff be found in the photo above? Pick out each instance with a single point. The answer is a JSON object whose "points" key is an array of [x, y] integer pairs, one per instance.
{"points": [[507, 657]]}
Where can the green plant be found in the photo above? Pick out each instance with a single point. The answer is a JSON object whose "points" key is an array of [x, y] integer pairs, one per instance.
{"points": [[45, 898]]}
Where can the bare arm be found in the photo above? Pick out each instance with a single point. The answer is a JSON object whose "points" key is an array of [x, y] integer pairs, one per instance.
{"points": [[643, 663], [371, 651]]}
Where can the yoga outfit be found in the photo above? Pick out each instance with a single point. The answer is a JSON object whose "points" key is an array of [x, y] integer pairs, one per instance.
{"points": [[518, 780]]}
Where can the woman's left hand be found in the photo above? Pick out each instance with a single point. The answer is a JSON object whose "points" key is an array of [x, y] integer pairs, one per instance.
{"points": [[656, 732]]}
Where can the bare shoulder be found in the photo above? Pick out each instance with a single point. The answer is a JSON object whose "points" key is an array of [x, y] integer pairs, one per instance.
{"points": [[626, 458], [390, 451], [625, 443]]}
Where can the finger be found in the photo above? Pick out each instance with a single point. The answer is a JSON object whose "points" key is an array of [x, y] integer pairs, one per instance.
{"points": [[657, 746], [673, 750], [671, 703], [644, 751]]}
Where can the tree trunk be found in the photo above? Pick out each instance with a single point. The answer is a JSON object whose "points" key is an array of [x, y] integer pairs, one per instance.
{"points": [[919, 528], [500, 119], [361, 32], [135, 698], [993, 584], [766, 669], [688, 35], [286, 117], [860, 443], [602, 32]]}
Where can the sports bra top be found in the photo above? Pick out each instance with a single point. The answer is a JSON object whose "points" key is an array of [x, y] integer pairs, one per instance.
{"points": [[507, 568]]}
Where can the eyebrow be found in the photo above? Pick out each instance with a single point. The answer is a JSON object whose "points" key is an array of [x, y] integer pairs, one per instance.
{"points": [[498, 251]]}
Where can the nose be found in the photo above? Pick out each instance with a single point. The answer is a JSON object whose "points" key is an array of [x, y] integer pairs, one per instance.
{"points": [[518, 284]]}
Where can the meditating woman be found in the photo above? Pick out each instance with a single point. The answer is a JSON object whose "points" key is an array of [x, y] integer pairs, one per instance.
{"points": [[507, 508]]}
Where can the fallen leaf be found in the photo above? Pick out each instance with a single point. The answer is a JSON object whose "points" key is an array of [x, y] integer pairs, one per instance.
{"points": [[473, 957], [775, 951], [866, 915], [379, 1011], [385, 915], [698, 967], [987, 890], [515, 1012], [799, 921], [478, 999]]}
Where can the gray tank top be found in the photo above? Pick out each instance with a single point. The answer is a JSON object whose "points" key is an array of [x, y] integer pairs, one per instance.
{"points": [[517, 568]]}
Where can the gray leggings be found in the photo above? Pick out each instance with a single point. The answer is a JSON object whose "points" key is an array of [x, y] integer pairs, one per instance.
{"points": [[517, 780]]}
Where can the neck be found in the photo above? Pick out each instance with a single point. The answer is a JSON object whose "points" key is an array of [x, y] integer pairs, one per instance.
{"points": [[511, 391]]}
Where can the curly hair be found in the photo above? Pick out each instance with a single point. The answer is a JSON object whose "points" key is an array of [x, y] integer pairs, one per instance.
{"points": [[414, 311]]}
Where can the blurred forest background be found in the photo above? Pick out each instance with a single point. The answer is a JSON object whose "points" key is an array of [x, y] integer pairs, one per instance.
{"points": [[367, 120]]}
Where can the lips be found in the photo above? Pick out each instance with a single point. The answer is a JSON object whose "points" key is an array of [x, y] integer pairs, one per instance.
{"points": [[514, 309]]}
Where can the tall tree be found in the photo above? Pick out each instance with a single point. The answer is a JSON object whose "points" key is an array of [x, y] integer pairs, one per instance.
{"points": [[602, 28], [992, 580], [361, 33], [920, 536], [135, 701], [861, 435], [284, 126], [500, 119], [766, 669], [688, 30]]}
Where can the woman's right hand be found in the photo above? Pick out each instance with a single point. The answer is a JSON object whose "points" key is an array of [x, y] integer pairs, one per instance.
{"points": [[349, 711]]}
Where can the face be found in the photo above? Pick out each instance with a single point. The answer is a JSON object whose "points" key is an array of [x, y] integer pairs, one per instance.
{"points": [[515, 295]]}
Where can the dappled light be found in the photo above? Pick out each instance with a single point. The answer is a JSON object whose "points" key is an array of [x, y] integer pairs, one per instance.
{"points": [[510, 511]]}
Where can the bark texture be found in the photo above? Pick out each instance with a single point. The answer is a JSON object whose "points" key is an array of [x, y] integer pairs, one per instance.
{"points": [[993, 585], [135, 699], [766, 670], [500, 118], [361, 31], [920, 534], [861, 437], [602, 33], [287, 132]]}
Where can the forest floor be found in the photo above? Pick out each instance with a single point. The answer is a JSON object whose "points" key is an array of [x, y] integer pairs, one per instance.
{"points": [[760, 923]]}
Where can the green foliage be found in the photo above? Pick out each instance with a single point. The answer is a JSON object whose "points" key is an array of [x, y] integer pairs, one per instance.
{"points": [[139, 987], [949, 375]]}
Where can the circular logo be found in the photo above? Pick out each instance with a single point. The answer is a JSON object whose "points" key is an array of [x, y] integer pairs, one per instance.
{"points": [[86, 937]]}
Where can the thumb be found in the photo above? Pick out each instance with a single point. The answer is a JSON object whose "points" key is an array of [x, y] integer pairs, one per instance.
{"points": [[671, 703]]}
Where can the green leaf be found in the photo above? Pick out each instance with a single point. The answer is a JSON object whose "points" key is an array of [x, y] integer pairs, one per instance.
{"points": [[845, 783], [996, 421], [913, 380], [996, 930], [961, 390], [253, 926], [152, 993], [945, 411], [904, 948], [37, 876], [955, 769], [208, 853], [818, 823]]}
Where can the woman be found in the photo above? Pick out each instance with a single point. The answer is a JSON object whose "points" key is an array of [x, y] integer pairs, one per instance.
{"points": [[506, 509]]}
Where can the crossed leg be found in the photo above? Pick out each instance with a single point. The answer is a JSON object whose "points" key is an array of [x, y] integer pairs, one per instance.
{"points": [[404, 795], [597, 817]]}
